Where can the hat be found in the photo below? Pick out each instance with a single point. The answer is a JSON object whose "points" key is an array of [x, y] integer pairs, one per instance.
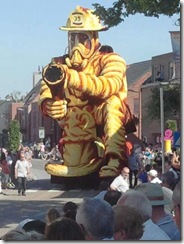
{"points": [[153, 173], [83, 19], [153, 192]]}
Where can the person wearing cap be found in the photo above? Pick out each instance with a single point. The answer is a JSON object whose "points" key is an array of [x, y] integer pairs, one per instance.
{"points": [[153, 191], [85, 91], [141, 203], [153, 176]]}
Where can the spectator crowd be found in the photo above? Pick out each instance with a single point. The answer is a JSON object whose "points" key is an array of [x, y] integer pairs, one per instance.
{"points": [[142, 203]]}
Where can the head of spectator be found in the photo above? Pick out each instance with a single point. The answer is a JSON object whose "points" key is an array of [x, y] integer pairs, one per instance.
{"points": [[148, 167], [19, 234], [164, 220], [64, 229], [153, 191], [70, 210], [176, 198], [167, 164], [168, 180], [128, 223], [35, 225], [138, 201], [168, 183], [158, 159], [96, 217], [112, 196], [104, 185], [21, 155], [51, 215], [142, 204], [153, 176], [23, 222], [125, 173]]}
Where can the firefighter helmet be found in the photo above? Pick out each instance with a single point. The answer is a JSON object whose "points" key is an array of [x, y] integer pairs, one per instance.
{"points": [[82, 19]]}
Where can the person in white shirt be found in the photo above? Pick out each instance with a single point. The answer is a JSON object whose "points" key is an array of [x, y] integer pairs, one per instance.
{"points": [[121, 182], [21, 173]]}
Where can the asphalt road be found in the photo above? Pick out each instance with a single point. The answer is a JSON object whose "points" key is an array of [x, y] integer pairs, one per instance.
{"points": [[40, 196]]}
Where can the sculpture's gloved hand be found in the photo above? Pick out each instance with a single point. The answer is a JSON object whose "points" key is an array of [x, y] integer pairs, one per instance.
{"points": [[55, 109]]}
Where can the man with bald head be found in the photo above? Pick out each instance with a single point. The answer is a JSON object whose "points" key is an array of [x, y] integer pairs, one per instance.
{"points": [[121, 182]]}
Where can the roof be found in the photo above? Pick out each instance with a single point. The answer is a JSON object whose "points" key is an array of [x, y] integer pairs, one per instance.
{"points": [[33, 93], [137, 70]]}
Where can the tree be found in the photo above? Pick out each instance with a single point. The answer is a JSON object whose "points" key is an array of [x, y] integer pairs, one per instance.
{"points": [[171, 124], [123, 8], [14, 131], [171, 98], [15, 96]]}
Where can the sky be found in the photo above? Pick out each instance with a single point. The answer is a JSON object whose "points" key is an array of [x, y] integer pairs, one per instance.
{"points": [[30, 37]]}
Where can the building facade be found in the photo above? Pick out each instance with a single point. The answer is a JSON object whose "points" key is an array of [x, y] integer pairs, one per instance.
{"points": [[163, 74]]}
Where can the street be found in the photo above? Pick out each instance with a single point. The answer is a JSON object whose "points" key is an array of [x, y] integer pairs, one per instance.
{"points": [[40, 196]]}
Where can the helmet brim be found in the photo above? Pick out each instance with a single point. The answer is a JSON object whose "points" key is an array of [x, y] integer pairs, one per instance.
{"points": [[82, 29]]}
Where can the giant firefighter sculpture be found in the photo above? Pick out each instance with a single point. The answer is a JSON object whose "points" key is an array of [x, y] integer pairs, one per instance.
{"points": [[85, 91]]}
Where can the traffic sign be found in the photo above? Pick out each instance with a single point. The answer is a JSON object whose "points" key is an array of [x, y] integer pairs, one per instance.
{"points": [[176, 139]]}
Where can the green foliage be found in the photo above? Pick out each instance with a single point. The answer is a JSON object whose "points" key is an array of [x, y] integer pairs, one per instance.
{"points": [[153, 105], [172, 99], [15, 96], [14, 130], [123, 8], [171, 124], [171, 96]]}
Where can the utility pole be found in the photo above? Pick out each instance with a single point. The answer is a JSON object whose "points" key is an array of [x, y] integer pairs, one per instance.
{"points": [[162, 126]]}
